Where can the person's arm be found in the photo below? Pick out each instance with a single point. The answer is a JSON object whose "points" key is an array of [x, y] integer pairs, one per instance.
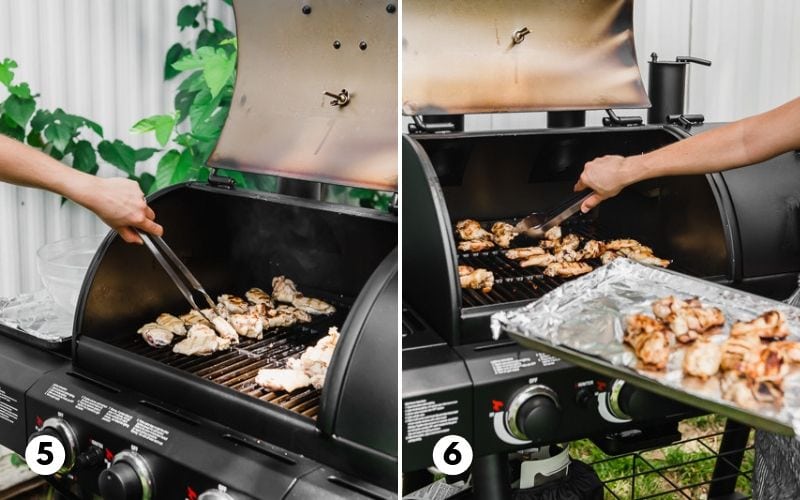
{"points": [[740, 143], [118, 202]]}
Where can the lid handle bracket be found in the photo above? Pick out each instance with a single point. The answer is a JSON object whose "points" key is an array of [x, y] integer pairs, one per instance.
{"points": [[341, 99], [520, 35]]}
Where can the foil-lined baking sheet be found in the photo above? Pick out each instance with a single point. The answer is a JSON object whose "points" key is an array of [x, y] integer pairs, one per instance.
{"points": [[36, 314], [582, 321]]}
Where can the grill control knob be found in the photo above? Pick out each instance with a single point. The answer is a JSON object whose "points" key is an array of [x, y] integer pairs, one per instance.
{"points": [[534, 413], [626, 402], [128, 478], [58, 428]]}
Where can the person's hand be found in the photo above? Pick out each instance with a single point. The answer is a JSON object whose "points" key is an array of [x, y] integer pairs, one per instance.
{"points": [[120, 203], [606, 176]]}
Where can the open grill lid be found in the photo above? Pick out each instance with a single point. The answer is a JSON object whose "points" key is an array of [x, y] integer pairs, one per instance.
{"points": [[473, 56], [282, 123]]}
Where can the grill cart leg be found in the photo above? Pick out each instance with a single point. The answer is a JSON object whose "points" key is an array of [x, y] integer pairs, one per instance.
{"points": [[491, 477], [729, 461]]}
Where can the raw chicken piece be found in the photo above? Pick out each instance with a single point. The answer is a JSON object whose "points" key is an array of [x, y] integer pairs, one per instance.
{"points": [[702, 359], [770, 325], [282, 379], [201, 341], [524, 252], [567, 269], [156, 335], [469, 229], [542, 260], [232, 304], [258, 296], [225, 330], [283, 290], [478, 279], [475, 245], [312, 305], [503, 234], [171, 323], [553, 234], [248, 325]]}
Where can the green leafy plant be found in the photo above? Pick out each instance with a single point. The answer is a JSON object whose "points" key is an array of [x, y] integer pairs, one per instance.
{"points": [[186, 135]]}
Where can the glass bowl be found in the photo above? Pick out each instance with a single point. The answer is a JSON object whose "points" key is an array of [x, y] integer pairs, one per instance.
{"points": [[62, 267]]}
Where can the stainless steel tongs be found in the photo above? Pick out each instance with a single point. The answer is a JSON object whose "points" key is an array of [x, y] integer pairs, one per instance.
{"points": [[537, 223], [177, 271]]}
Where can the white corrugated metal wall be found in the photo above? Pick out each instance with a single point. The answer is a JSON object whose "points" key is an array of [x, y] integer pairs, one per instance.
{"points": [[103, 59]]}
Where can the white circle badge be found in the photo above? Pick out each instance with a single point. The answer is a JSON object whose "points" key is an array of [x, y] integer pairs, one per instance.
{"points": [[45, 455], [452, 455]]}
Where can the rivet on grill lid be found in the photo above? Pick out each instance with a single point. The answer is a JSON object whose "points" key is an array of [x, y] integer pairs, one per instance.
{"points": [[362, 45], [391, 8], [337, 44], [306, 9]]}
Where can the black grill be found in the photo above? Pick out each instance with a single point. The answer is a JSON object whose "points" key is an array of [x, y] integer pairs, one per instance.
{"points": [[237, 368]]}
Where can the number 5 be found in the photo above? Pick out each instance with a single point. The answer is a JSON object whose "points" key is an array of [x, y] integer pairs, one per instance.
{"points": [[44, 451]]}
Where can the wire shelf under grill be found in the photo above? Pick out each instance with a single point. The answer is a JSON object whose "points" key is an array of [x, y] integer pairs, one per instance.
{"points": [[237, 368], [512, 282]]}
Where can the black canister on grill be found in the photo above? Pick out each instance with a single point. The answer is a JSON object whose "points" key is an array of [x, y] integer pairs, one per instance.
{"points": [[667, 86]]}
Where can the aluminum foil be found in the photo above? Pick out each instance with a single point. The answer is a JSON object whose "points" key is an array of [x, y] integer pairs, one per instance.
{"points": [[37, 315], [588, 314]]}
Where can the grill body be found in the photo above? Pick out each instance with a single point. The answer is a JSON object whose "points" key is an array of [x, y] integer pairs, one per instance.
{"points": [[232, 241]]}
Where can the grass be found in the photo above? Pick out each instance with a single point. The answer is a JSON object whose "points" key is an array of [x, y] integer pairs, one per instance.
{"points": [[684, 464]]}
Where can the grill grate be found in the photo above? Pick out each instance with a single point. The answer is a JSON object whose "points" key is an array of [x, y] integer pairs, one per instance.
{"points": [[237, 367], [511, 281]]}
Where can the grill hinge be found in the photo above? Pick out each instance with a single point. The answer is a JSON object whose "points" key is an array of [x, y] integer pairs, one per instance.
{"points": [[221, 181], [613, 120], [686, 121]]}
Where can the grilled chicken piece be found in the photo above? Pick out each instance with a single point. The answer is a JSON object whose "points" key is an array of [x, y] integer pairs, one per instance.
{"points": [[475, 245], [286, 316], [542, 260], [765, 364], [652, 349], [194, 317], [156, 335], [469, 229], [789, 349], [478, 279], [567, 269], [249, 325], [464, 270], [553, 234], [503, 234], [690, 322], [171, 323], [313, 306], [258, 296], [282, 379], [568, 254], [702, 359], [225, 330], [665, 306], [643, 256], [232, 304], [736, 389], [736, 349], [549, 244], [608, 256], [592, 249], [201, 341], [524, 252], [570, 242], [637, 324], [315, 360], [283, 290], [625, 243], [770, 325]]}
